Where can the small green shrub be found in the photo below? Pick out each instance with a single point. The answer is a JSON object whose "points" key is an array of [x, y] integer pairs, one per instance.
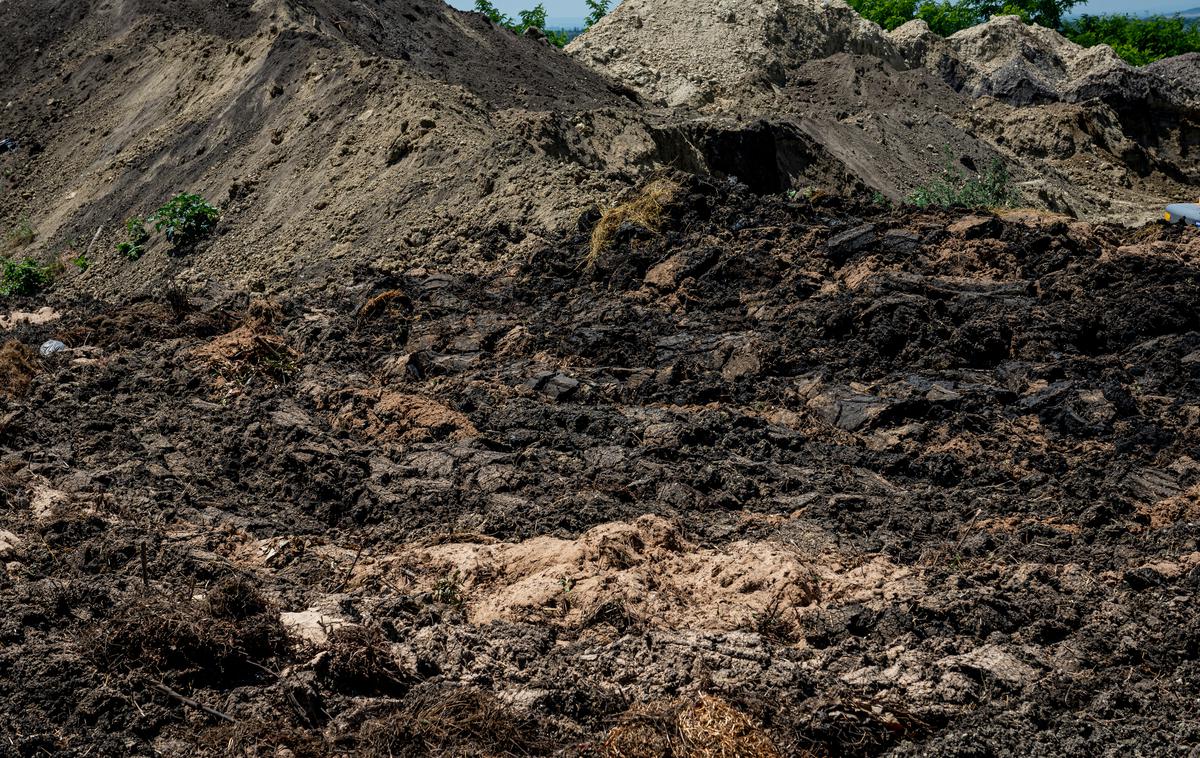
{"points": [[954, 188], [449, 590], [187, 219], [23, 277], [136, 238], [81, 262], [22, 235]]}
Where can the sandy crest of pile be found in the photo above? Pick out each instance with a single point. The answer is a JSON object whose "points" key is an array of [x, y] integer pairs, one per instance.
{"points": [[697, 53]]}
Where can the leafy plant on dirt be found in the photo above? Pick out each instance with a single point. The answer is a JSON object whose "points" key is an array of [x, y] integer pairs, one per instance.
{"points": [[24, 277], [448, 590], [187, 219], [81, 262], [955, 188], [136, 237], [22, 234]]}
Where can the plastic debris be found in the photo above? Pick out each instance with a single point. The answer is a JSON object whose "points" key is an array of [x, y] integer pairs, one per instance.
{"points": [[1188, 213], [50, 347]]}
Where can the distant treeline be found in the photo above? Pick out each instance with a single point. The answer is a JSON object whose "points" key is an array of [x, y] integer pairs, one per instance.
{"points": [[535, 18], [1138, 40]]}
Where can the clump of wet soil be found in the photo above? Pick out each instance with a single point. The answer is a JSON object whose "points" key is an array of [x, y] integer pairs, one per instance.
{"points": [[966, 442]]}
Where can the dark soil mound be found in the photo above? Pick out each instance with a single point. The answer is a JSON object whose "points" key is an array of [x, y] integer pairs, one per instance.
{"points": [[841, 479]]}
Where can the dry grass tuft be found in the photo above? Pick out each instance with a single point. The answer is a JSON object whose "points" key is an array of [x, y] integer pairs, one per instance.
{"points": [[236, 598], [360, 661], [392, 304], [704, 727], [180, 640], [17, 369], [258, 739], [435, 721], [647, 210]]}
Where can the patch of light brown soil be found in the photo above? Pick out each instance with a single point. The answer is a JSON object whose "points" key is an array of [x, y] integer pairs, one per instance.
{"points": [[43, 315], [648, 570], [400, 417]]}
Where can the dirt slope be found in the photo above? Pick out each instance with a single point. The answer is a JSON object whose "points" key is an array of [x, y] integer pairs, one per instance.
{"points": [[330, 133], [425, 455]]}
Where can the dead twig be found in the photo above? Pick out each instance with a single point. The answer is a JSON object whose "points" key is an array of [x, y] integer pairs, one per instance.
{"points": [[193, 703]]}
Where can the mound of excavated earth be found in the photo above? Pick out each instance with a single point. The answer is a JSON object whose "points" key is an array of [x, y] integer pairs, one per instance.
{"points": [[788, 478], [1105, 140], [331, 134], [592, 403]]}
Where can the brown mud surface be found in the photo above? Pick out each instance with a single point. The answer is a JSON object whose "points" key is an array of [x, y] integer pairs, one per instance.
{"points": [[806, 477]]}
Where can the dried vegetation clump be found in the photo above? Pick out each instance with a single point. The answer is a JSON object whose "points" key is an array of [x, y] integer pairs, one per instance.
{"points": [[458, 721], [703, 727], [17, 369], [647, 209]]}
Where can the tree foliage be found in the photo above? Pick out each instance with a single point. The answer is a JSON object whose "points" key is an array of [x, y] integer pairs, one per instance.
{"points": [[949, 16], [597, 9], [531, 18], [1138, 40]]}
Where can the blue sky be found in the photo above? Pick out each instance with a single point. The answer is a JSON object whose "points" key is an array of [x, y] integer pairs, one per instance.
{"points": [[569, 12]]}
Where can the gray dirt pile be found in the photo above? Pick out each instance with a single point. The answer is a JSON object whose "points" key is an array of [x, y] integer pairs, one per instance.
{"points": [[1083, 132], [330, 133], [1026, 64], [698, 53]]}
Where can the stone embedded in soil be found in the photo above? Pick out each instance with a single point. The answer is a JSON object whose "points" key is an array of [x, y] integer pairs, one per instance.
{"points": [[974, 227], [554, 385], [9, 543], [845, 244], [312, 625]]}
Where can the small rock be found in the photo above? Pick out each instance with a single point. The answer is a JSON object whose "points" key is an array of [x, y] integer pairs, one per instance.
{"points": [[1143, 578], [975, 227], [667, 274], [900, 241], [560, 387], [842, 246], [311, 625], [9, 543]]}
